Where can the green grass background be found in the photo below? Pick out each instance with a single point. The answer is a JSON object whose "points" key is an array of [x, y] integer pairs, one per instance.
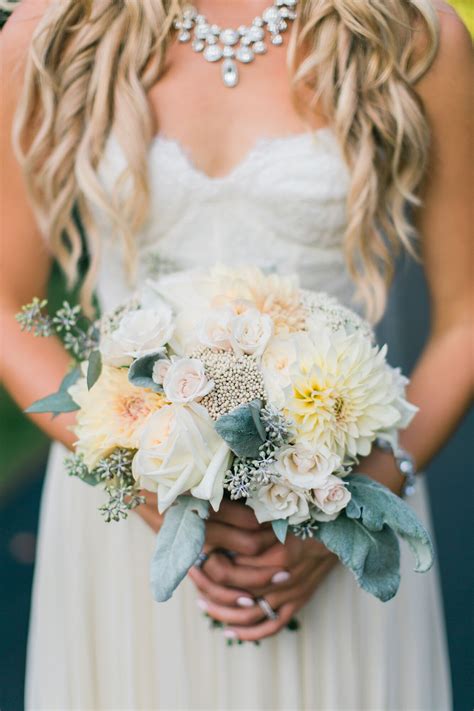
{"points": [[466, 11]]}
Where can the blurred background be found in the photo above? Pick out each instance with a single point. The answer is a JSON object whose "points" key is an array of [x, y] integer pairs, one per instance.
{"points": [[24, 450]]}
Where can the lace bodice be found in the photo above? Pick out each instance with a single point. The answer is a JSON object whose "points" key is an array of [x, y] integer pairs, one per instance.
{"points": [[283, 208]]}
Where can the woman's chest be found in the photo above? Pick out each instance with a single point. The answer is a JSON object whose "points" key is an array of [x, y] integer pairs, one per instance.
{"points": [[218, 125]]}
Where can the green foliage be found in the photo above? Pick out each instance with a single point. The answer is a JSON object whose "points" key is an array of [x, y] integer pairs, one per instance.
{"points": [[79, 335], [280, 529], [377, 506], [33, 319], [75, 466], [141, 371], [59, 401], [243, 430], [94, 368], [364, 536], [178, 545], [372, 556], [115, 471], [115, 474]]}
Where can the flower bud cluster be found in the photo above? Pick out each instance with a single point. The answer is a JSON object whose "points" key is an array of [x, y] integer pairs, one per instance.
{"points": [[237, 380]]}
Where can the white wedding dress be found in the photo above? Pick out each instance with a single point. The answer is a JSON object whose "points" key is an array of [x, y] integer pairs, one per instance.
{"points": [[97, 639]]}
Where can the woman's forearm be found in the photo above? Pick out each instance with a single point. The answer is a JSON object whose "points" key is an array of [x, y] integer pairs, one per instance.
{"points": [[441, 386], [32, 368]]}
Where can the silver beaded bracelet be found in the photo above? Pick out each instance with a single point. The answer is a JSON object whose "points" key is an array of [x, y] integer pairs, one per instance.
{"points": [[405, 464]]}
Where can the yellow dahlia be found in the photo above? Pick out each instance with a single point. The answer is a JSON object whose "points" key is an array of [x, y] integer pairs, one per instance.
{"points": [[112, 413]]}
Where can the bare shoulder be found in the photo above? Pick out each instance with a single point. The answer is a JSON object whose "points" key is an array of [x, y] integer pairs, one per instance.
{"points": [[15, 40], [455, 46], [25, 17], [452, 68], [17, 33]]}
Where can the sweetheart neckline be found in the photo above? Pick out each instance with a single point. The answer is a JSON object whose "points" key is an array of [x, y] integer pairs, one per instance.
{"points": [[263, 142]]}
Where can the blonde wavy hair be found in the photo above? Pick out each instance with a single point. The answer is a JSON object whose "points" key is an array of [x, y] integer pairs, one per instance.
{"points": [[357, 62]]}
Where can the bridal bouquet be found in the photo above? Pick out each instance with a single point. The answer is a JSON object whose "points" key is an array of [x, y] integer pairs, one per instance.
{"points": [[237, 383]]}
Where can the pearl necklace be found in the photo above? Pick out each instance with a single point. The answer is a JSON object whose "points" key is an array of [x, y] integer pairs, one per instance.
{"points": [[217, 43]]}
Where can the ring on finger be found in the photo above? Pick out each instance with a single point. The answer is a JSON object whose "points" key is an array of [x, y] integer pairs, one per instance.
{"points": [[265, 606], [201, 559]]}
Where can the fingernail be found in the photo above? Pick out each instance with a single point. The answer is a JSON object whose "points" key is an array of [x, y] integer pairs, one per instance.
{"points": [[202, 604], [245, 601], [281, 577], [230, 634]]}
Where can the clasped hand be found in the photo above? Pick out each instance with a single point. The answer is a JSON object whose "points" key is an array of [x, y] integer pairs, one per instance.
{"points": [[285, 575], [258, 566]]}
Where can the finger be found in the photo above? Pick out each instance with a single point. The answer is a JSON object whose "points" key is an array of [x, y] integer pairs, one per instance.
{"points": [[221, 535], [150, 498], [267, 628], [306, 584], [232, 615], [297, 575], [218, 594], [281, 555], [236, 514], [150, 515], [276, 555], [276, 599], [222, 571], [286, 604]]}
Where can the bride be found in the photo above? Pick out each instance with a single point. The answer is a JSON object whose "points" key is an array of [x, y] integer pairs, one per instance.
{"points": [[176, 150]]}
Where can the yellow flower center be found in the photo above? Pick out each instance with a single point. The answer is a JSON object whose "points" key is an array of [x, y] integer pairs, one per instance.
{"points": [[339, 408]]}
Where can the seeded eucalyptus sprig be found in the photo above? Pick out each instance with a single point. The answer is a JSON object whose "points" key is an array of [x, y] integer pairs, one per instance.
{"points": [[80, 335], [305, 530], [249, 473], [33, 319], [115, 474]]}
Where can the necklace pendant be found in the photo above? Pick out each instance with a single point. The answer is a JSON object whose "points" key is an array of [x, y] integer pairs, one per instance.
{"points": [[234, 45], [230, 73]]}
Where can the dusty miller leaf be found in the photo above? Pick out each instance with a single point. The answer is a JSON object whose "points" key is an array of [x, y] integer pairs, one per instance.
{"points": [[239, 429], [372, 556], [178, 544], [141, 371], [280, 529], [377, 506]]}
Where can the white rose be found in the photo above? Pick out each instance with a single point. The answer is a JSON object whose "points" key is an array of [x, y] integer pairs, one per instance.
{"points": [[215, 330], [330, 498], [180, 451], [139, 332], [304, 467], [160, 368], [275, 501], [279, 354], [189, 292], [250, 332], [186, 380]]}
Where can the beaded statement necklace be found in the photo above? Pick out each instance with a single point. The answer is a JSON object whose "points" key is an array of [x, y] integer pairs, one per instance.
{"points": [[235, 45]]}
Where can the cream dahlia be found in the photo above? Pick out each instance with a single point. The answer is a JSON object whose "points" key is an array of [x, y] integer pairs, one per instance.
{"points": [[341, 393], [275, 295], [112, 413]]}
